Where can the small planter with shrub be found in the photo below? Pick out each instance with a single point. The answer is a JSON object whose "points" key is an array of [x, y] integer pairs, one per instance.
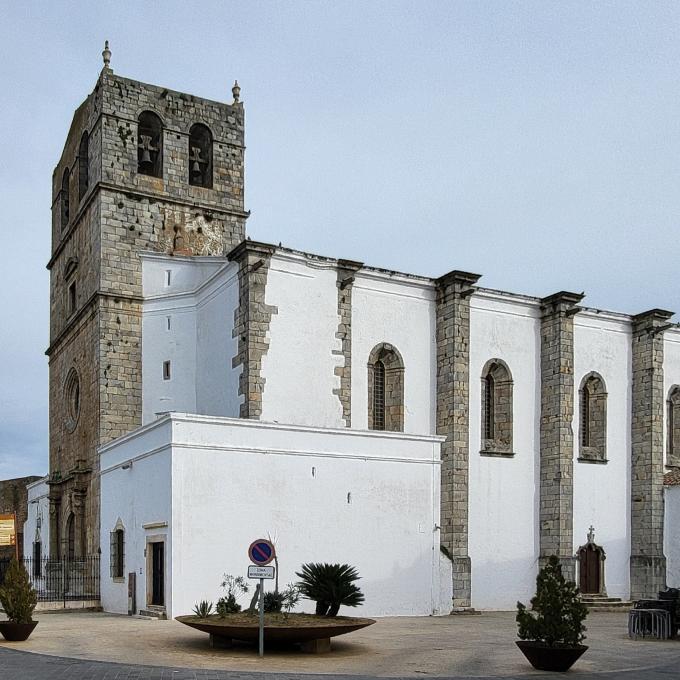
{"points": [[552, 631], [18, 599]]}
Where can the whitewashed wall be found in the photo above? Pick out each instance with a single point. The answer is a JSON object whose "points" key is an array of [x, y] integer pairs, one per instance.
{"points": [[198, 305], [503, 501], [137, 496], [216, 380], [602, 343], [400, 311], [37, 524], [672, 535], [369, 499], [299, 367]]}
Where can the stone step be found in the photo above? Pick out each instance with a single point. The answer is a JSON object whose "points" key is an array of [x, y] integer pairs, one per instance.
{"points": [[153, 613]]}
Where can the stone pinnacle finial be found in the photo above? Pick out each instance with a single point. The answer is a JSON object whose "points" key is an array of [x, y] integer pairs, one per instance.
{"points": [[106, 54], [236, 91]]}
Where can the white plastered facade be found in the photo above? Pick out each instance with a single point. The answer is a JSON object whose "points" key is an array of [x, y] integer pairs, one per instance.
{"points": [[191, 487]]}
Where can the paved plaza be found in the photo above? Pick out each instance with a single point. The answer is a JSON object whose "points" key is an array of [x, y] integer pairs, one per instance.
{"points": [[98, 646]]}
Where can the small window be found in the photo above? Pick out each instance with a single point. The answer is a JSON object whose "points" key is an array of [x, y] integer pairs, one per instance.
{"points": [[200, 156], [83, 165], [166, 370], [72, 301], [118, 553], [673, 427], [150, 145], [593, 419], [168, 276], [385, 389], [64, 199], [167, 321], [497, 407]]}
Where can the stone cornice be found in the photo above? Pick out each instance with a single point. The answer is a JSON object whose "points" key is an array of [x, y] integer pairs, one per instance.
{"points": [[250, 248], [457, 277]]}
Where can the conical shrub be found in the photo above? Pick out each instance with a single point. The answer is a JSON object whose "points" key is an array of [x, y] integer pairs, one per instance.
{"points": [[17, 596]]}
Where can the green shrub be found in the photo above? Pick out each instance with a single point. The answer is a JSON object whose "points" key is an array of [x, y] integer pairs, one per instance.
{"points": [[273, 602], [291, 596], [203, 609], [557, 612], [17, 596], [330, 586], [227, 605], [235, 586]]}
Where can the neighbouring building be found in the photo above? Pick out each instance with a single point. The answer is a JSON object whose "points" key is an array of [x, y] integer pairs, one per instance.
{"points": [[13, 501], [207, 389]]}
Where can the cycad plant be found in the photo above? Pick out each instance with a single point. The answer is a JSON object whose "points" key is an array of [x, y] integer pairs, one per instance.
{"points": [[557, 613], [330, 586]]}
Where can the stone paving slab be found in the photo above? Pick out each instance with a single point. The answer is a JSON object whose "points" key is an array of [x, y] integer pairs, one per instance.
{"points": [[109, 646]]}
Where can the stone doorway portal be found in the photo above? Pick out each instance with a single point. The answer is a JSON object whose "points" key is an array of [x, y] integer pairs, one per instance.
{"points": [[591, 559]]}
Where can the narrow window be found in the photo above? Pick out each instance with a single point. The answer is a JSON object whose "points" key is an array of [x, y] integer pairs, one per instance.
{"points": [[673, 427], [585, 416], [117, 559], [72, 298], [168, 277], [64, 199], [497, 409], [200, 156], [83, 165], [166, 370], [488, 406], [593, 417], [379, 396], [385, 389], [167, 320], [150, 145]]}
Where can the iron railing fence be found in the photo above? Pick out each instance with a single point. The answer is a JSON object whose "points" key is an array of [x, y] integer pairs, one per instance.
{"points": [[57, 580]]}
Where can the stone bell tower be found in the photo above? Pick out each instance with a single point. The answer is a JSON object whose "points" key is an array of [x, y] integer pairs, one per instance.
{"points": [[144, 168]]}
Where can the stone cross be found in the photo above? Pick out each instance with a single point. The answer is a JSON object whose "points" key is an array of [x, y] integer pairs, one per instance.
{"points": [[591, 534]]}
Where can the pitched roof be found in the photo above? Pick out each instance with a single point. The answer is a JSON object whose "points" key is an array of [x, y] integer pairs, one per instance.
{"points": [[672, 478]]}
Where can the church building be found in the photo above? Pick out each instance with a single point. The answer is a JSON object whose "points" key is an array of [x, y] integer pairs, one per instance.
{"points": [[207, 390]]}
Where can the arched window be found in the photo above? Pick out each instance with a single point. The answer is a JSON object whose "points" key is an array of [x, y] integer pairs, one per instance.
{"points": [[593, 419], [385, 389], [117, 554], [673, 427], [64, 199], [150, 144], [496, 408], [83, 165], [200, 156]]}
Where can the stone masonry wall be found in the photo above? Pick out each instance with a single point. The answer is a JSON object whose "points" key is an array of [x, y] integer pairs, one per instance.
{"points": [[346, 271], [556, 505], [122, 214], [453, 422], [647, 561], [251, 323]]}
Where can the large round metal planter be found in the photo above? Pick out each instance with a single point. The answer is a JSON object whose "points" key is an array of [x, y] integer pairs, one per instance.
{"points": [[16, 632], [326, 628], [546, 658]]}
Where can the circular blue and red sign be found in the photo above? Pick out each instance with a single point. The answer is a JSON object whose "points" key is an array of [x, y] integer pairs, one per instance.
{"points": [[261, 552]]}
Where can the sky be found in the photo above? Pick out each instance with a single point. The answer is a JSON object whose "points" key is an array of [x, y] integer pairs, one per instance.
{"points": [[535, 143]]}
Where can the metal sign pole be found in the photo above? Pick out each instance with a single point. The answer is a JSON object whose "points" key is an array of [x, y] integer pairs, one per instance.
{"points": [[261, 617]]}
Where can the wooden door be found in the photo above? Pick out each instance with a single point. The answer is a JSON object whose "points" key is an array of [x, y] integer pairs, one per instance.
{"points": [[589, 570]]}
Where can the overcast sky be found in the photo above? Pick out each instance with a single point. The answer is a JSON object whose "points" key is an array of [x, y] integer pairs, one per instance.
{"points": [[535, 143]]}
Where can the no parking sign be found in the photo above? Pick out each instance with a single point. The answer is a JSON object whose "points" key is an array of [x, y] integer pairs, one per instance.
{"points": [[261, 552]]}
